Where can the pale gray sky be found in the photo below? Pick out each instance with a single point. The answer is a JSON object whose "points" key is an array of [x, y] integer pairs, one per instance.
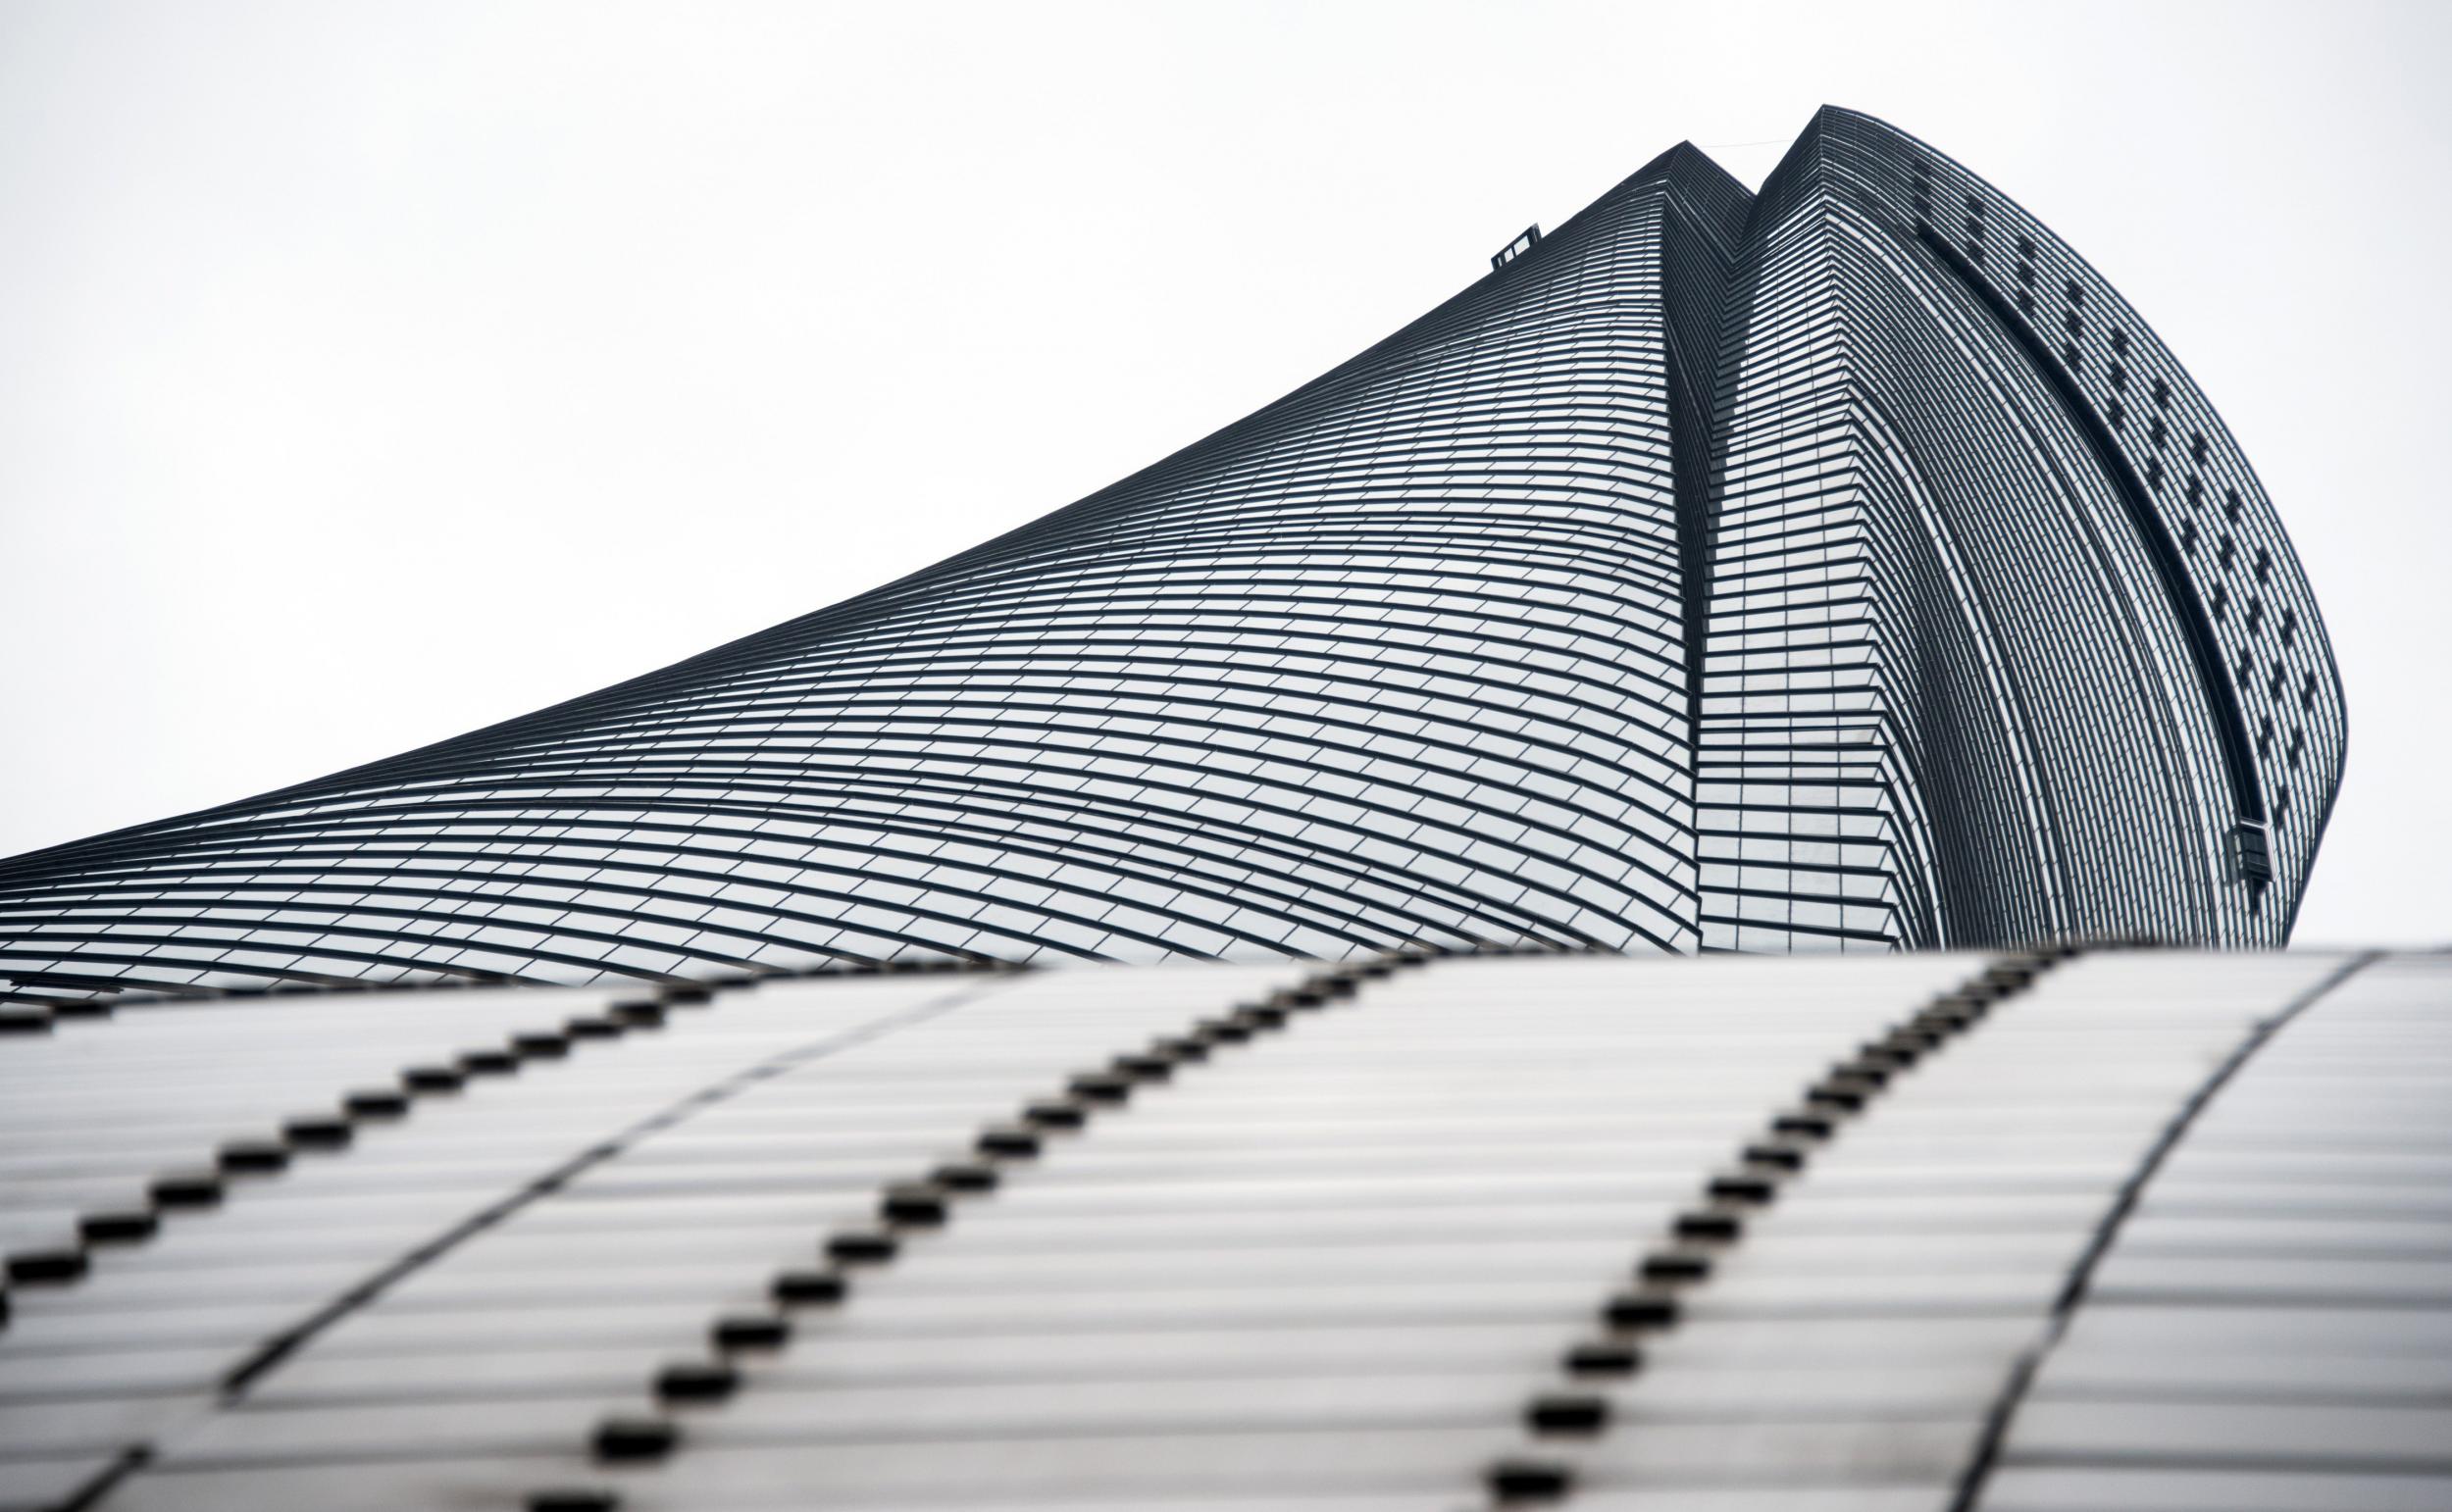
{"points": [[369, 373]]}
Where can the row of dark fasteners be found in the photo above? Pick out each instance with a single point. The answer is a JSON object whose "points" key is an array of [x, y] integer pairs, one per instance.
{"points": [[1702, 1237], [908, 1209], [30, 1018], [245, 1161]]}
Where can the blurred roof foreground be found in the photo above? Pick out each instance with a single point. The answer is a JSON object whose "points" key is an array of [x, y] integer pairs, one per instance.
{"points": [[2085, 1230]]}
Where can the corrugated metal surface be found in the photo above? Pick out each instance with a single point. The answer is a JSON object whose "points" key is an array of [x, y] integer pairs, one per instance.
{"points": [[1744, 1235], [2273, 1324]]}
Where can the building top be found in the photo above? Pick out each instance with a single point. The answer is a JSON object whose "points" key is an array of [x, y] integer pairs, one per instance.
{"points": [[1843, 567]]}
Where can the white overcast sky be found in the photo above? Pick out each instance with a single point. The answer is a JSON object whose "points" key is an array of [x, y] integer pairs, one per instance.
{"points": [[370, 373]]}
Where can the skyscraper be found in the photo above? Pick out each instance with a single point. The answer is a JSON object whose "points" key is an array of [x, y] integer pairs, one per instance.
{"points": [[1844, 567]]}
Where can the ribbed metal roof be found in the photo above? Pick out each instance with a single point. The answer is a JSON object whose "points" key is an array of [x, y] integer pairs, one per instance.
{"points": [[2071, 1230]]}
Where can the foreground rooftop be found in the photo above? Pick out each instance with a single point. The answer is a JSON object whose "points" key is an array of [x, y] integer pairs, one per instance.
{"points": [[2071, 1230]]}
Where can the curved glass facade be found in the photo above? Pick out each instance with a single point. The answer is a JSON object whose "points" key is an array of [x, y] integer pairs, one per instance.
{"points": [[1846, 567], [2006, 641]]}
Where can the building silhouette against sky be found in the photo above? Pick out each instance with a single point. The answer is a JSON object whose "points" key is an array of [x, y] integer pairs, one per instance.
{"points": [[1844, 566]]}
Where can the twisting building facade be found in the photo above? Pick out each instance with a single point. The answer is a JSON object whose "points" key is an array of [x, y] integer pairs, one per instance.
{"points": [[2005, 641], [1845, 567]]}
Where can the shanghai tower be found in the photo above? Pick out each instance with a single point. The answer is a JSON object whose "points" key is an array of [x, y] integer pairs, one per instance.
{"points": [[1844, 566]]}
